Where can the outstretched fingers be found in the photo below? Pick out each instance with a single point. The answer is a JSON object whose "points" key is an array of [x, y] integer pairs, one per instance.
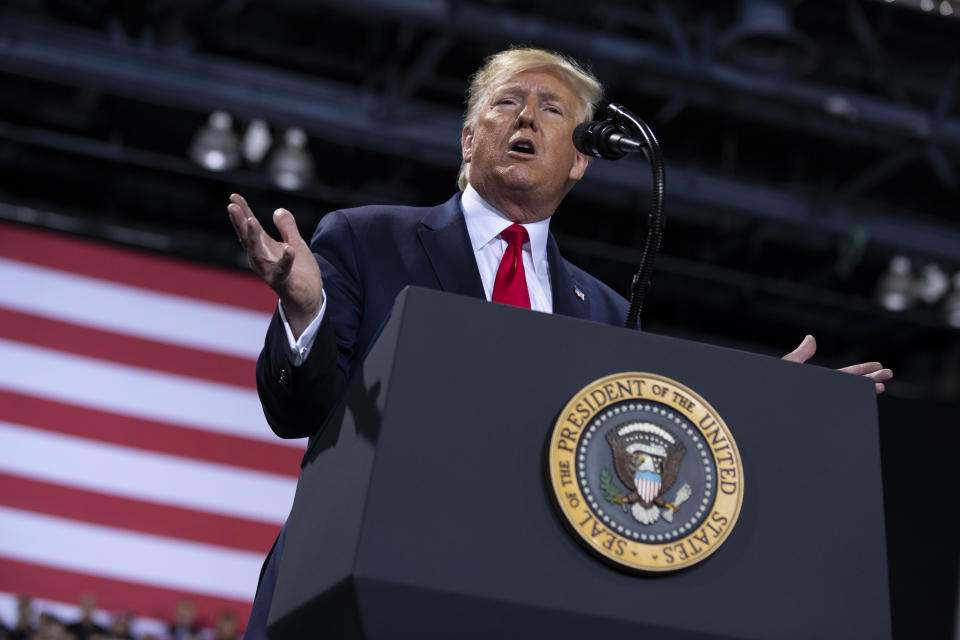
{"points": [[862, 369], [873, 370], [239, 222], [266, 256], [245, 224]]}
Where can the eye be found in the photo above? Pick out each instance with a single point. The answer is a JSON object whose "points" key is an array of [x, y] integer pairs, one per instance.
{"points": [[553, 109], [509, 100]]}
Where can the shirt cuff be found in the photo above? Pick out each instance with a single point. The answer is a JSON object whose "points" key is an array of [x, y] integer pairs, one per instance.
{"points": [[298, 350]]}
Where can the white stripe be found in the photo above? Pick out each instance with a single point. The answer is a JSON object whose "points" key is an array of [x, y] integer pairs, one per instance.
{"points": [[131, 310], [143, 393], [144, 475], [132, 557]]}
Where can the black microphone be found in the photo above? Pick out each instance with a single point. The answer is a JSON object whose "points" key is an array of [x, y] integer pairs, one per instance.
{"points": [[605, 139]]}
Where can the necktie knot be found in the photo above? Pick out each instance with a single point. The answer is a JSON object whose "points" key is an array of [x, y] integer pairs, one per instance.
{"points": [[515, 236]]}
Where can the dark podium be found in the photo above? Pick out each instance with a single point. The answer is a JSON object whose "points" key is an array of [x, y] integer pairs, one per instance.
{"points": [[424, 510]]}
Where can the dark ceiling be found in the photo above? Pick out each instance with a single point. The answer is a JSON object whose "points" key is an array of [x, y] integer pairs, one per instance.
{"points": [[788, 192]]}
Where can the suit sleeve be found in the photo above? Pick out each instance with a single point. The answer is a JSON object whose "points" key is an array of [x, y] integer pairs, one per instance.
{"points": [[297, 400]]}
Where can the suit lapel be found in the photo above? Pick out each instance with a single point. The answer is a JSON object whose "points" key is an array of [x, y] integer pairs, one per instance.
{"points": [[569, 296], [443, 234]]}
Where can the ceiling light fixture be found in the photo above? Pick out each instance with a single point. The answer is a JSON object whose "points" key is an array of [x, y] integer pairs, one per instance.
{"points": [[215, 146], [895, 291], [932, 284], [256, 141], [291, 167], [764, 40]]}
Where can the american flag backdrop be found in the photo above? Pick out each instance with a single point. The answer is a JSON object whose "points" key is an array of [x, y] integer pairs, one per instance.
{"points": [[135, 462]]}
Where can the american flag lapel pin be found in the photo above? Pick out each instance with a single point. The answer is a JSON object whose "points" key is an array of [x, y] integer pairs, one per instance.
{"points": [[579, 293]]}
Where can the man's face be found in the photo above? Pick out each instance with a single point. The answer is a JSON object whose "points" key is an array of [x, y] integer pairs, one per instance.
{"points": [[520, 152]]}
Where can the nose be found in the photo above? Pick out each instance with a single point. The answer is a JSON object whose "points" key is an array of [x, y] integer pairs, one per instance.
{"points": [[528, 117]]}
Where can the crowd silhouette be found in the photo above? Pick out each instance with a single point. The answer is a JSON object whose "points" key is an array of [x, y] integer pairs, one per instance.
{"points": [[35, 623]]}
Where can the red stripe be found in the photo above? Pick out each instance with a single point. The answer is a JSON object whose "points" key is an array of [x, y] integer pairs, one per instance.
{"points": [[123, 349], [48, 249], [143, 600], [136, 515], [151, 435]]}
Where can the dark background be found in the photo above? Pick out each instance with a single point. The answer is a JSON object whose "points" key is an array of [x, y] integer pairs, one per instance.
{"points": [[799, 162]]}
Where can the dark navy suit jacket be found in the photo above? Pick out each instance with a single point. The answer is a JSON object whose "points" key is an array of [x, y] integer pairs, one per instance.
{"points": [[367, 256]]}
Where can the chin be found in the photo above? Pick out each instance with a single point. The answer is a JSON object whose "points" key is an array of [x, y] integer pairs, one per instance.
{"points": [[516, 178]]}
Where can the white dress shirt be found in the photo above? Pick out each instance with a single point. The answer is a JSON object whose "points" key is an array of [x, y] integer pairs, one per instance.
{"points": [[484, 224]]}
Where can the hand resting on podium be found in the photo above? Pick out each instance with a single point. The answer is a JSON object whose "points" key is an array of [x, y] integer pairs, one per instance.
{"points": [[872, 370]]}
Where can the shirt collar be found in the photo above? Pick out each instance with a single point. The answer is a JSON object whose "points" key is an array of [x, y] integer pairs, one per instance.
{"points": [[485, 222]]}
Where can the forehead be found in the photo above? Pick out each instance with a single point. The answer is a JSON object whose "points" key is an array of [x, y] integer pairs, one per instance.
{"points": [[540, 81]]}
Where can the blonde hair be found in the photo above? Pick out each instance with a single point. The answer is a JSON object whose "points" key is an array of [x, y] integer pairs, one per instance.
{"points": [[502, 66]]}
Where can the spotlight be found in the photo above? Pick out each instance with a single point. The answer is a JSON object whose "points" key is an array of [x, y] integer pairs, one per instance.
{"points": [[215, 146], [256, 141], [291, 167], [763, 40], [951, 306], [932, 284], [895, 291]]}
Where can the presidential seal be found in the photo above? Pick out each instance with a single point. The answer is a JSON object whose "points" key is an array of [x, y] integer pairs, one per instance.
{"points": [[645, 472]]}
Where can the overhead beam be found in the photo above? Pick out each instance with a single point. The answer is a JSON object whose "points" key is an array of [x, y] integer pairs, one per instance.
{"points": [[826, 111], [422, 132]]}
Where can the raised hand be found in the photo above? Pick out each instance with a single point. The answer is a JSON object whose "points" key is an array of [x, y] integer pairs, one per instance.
{"points": [[872, 370], [288, 267]]}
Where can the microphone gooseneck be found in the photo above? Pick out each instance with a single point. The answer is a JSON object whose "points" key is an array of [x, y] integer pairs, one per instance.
{"points": [[611, 139]]}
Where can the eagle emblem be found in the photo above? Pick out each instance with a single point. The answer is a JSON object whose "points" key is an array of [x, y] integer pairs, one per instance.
{"points": [[646, 458], [645, 472]]}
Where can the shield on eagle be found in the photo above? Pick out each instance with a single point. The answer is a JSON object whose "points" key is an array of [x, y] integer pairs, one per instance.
{"points": [[647, 484]]}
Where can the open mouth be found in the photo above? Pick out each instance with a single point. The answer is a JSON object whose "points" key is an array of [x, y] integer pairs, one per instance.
{"points": [[523, 148]]}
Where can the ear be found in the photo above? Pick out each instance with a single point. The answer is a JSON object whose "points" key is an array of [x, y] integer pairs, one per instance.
{"points": [[579, 166], [466, 144]]}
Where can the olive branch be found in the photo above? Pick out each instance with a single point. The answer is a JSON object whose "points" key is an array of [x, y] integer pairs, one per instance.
{"points": [[610, 490]]}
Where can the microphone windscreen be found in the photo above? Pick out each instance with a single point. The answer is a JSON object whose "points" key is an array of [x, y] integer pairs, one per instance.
{"points": [[578, 135]]}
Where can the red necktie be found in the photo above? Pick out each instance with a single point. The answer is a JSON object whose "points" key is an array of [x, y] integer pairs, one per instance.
{"points": [[510, 287]]}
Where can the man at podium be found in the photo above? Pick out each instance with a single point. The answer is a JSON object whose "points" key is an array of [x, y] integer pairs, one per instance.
{"points": [[489, 240]]}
